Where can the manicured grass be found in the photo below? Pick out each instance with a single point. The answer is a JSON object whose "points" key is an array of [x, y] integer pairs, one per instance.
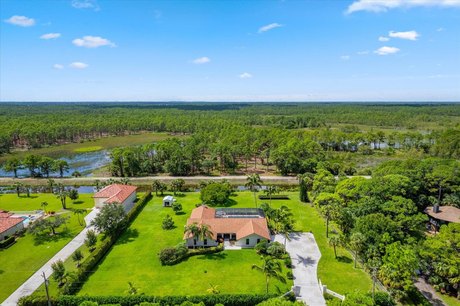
{"points": [[22, 259], [12, 202], [104, 143], [449, 300], [88, 149], [134, 257]]}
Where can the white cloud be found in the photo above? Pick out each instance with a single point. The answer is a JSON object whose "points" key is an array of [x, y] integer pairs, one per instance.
{"points": [[92, 42], [269, 27], [362, 52], [345, 57], [21, 21], [410, 35], [50, 36], [245, 75], [386, 50], [201, 60], [439, 29], [58, 66], [78, 65], [383, 38], [385, 5], [85, 4]]}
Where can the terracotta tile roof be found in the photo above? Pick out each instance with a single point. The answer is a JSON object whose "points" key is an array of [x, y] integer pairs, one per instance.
{"points": [[242, 227], [446, 213], [4, 214], [6, 222], [115, 193]]}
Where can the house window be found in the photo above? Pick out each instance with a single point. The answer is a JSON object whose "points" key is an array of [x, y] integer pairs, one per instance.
{"points": [[247, 241], [258, 240], [206, 242], [194, 241]]}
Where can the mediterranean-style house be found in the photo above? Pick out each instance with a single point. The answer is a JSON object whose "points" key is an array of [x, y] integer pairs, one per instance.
{"points": [[241, 227], [116, 193], [9, 225]]}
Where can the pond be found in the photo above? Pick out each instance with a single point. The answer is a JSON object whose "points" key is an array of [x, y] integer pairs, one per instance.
{"points": [[85, 163]]}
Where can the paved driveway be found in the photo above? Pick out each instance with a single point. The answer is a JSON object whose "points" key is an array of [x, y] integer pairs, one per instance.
{"points": [[305, 256], [35, 281]]}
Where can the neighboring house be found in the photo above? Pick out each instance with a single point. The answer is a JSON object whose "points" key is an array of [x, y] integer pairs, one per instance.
{"points": [[116, 193], [168, 201], [243, 227], [9, 225], [440, 215]]}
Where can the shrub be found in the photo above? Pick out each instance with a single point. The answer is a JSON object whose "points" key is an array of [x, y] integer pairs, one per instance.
{"points": [[261, 247], [177, 207], [7, 242], [168, 223], [289, 275], [91, 240], [88, 303], [276, 250], [173, 255], [288, 262]]}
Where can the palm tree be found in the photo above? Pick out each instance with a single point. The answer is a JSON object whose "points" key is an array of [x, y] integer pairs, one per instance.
{"points": [[329, 211], [271, 268], [252, 182], [18, 186], [43, 205], [79, 212], [194, 231], [271, 190], [334, 242], [205, 232], [62, 195], [50, 184]]}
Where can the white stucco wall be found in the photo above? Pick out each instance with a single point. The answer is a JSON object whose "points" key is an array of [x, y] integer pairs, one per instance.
{"points": [[12, 231], [98, 202], [129, 202], [252, 241]]}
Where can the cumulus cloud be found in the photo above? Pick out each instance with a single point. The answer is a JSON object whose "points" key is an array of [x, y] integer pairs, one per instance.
{"points": [[92, 42], [58, 66], [245, 75], [269, 27], [385, 5], [410, 35], [201, 60], [383, 38], [386, 50], [85, 4], [362, 52], [21, 21], [345, 57], [50, 36], [78, 65]]}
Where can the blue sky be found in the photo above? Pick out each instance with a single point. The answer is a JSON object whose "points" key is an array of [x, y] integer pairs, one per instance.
{"points": [[253, 50]]}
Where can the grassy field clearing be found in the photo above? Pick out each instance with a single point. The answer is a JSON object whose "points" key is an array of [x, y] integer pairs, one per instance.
{"points": [[22, 259], [134, 257]]}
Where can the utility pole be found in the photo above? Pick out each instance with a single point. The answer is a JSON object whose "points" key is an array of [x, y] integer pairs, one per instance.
{"points": [[46, 287], [374, 272]]}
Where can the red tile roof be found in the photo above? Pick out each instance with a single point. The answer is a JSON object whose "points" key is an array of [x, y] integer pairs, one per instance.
{"points": [[115, 193], [242, 227], [7, 222]]}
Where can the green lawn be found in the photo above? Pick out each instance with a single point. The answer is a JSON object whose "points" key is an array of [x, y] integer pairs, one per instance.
{"points": [[22, 259], [134, 258]]}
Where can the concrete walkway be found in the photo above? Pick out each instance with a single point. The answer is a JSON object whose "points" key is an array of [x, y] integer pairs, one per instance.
{"points": [[36, 280], [305, 256], [428, 292]]}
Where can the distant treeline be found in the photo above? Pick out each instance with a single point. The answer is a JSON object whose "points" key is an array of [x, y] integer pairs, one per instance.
{"points": [[33, 125]]}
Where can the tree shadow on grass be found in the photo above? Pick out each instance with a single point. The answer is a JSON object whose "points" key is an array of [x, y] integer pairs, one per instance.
{"points": [[180, 213], [214, 256], [45, 237], [129, 236], [78, 202], [344, 259], [28, 197]]}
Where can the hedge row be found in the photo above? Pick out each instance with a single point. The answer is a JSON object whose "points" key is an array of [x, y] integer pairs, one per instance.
{"points": [[274, 197], [75, 281], [132, 300], [173, 255], [7, 242]]}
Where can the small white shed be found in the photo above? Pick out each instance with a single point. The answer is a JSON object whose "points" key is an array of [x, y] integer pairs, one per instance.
{"points": [[168, 201]]}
